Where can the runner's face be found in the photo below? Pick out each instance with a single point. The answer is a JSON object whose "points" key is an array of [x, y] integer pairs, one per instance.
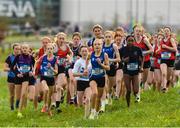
{"points": [[155, 37], [49, 49], [76, 40], [97, 32], [17, 50], [60, 39], [25, 49], [45, 42], [84, 52], [118, 38], [160, 38], [137, 32], [167, 32], [130, 42], [97, 46], [108, 38]]}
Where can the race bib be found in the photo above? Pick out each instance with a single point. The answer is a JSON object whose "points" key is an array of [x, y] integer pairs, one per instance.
{"points": [[132, 66], [97, 71], [74, 58], [24, 68], [165, 55], [143, 52], [61, 61], [49, 72]]}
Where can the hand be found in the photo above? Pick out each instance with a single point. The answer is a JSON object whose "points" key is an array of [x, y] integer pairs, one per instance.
{"points": [[20, 75], [126, 59], [116, 65], [141, 70], [78, 57], [49, 65], [30, 74], [98, 61], [164, 46], [85, 73]]}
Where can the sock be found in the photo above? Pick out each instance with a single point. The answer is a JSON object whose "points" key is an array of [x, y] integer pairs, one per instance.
{"points": [[12, 107], [57, 104], [103, 103], [17, 104], [128, 94]]}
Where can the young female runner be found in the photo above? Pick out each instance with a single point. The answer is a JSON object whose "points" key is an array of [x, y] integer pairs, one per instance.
{"points": [[11, 76], [100, 63], [81, 71]]}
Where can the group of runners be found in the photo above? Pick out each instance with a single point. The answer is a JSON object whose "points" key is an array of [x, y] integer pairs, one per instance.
{"points": [[109, 66]]}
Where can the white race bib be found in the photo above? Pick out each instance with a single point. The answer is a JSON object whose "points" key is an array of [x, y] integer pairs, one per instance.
{"points": [[24, 68], [97, 71], [165, 55], [132, 66]]}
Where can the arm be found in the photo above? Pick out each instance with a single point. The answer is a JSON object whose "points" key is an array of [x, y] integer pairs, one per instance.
{"points": [[149, 47], [6, 67], [55, 70], [141, 58], [117, 59], [173, 48], [70, 54], [75, 70], [105, 65]]}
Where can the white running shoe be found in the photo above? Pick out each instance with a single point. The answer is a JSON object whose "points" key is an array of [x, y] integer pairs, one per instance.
{"points": [[92, 115], [110, 101], [137, 98], [102, 109]]}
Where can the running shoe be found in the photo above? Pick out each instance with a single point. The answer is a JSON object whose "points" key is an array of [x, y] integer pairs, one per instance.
{"points": [[44, 109], [19, 115], [92, 116], [102, 109], [137, 98]]}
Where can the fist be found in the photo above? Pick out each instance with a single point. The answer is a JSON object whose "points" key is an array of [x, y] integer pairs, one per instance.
{"points": [[19, 75], [163, 46], [98, 60], [30, 74], [85, 73], [48, 65]]}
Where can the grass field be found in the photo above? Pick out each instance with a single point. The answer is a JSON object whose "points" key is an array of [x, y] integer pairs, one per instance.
{"points": [[155, 109]]}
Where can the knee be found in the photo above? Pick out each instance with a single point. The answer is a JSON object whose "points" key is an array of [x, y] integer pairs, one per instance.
{"points": [[87, 101], [46, 90]]}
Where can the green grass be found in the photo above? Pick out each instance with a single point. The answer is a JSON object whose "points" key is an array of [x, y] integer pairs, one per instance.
{"points": [[20, 38], [155, 109]]}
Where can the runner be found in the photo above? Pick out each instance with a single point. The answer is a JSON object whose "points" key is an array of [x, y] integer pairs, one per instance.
{"points": [[142, 42], [133, 63], [47, 72], [11, 76], [111, 50], [100, 63], [64, 57], [23, 66], [157, 55], [168, 50], [81, 72], [120, 88]]}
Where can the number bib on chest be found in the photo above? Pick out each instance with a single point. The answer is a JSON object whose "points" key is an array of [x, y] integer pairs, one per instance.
{"points": [[24, 68], [97, 71], [132, 66], [165, 55]]}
